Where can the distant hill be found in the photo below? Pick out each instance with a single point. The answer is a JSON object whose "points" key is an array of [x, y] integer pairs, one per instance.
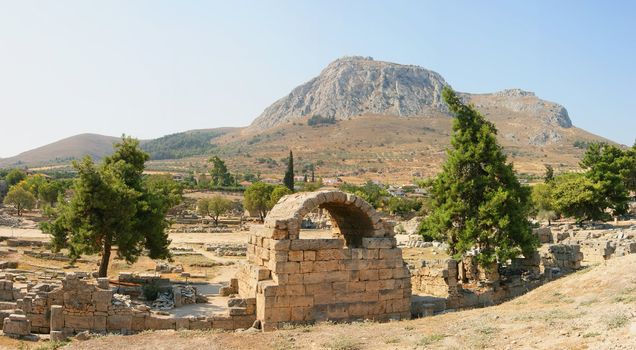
{"points": [[63, 151], [184, 144]]}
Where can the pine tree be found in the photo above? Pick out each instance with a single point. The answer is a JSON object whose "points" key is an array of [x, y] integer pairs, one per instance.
{"points": [[478, 203], [288, 181], [220, 175], [113, 204]]}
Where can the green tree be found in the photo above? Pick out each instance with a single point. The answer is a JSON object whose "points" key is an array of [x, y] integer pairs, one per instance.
{"points": [[630, 173], [608, 167], [14, 176], [477, 200], [20, 199], [549, 173], [575, 195], [289, 174], [220, 175], [373, 193], [113, 204], [403, 206], [214, 207], [34, 184], [4, 188], [49, 191], [257, 199], [277, 193], [543, 202]]}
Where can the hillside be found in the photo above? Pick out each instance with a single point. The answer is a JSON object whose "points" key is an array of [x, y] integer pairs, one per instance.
{"points": [[591, 309], [63, 151], [184, 144], [386, 148]]}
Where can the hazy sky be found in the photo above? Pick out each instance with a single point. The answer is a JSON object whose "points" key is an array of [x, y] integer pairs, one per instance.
{"points": [[149, 68]]}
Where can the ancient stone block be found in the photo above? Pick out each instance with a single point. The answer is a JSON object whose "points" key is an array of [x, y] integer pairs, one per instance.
{"points": [[119, 322], [57, 318], [295, 255], [329, 254]]}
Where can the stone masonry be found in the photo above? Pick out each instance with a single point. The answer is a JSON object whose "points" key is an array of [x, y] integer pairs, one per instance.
{"points": [[358, 274]]}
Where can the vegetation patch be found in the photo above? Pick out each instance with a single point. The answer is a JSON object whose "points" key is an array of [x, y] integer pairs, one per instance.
{"points": [[617, 321], [344, 343], [430, 339]]}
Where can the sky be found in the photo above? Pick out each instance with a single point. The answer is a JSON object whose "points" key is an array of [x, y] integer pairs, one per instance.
{"points": [[151, 68]]}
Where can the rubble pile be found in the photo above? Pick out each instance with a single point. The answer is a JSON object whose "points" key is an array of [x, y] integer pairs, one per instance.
{"points": [[184, 295], [164, 301], [227, 249]]}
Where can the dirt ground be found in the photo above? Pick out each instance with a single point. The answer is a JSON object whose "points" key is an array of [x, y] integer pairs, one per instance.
{"points": [[594, 308]]}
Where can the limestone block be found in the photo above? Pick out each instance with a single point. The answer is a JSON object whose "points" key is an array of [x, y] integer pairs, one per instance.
{"points": [[183, 323], [330, 243], [74, 321], [279, 314], [119, 322], [287, 267], [383, 243], [295, 278], [393, 253], [306, 266], [138, 323], [102, 283], [222, 322], [16, 326], [296, 255], [329, 254], [157, 322], [304, 244], [99, 323], [326, 266], [369, 275]]}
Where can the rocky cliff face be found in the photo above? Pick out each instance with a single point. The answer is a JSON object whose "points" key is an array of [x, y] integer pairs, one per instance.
{"points": [[353, 86]]}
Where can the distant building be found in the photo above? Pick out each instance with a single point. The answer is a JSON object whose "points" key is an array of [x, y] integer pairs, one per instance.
{"points": [[332, 181]]}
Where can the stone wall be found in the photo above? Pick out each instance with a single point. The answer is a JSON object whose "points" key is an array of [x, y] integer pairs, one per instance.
{"points": [[78, 304], [359, 274], [465, 285]]}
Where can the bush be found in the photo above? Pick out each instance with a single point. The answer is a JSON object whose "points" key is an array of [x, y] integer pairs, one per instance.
{"points": [[150, 291], [317, 119]]}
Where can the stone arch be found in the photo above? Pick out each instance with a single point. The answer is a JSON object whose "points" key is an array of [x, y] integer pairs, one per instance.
{"points": [[352, 217]]}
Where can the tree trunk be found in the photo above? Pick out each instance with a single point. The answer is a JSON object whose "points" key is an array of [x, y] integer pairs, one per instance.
{"points": [[103, 265]]}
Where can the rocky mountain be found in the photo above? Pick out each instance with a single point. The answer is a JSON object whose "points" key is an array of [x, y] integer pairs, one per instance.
{"points": [[353, 86]]}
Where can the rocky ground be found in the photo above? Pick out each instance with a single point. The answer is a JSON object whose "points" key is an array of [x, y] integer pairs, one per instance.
{"points": [[591, 309]]}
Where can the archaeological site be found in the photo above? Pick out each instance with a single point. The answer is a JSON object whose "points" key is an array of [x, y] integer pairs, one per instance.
{"points": [[283, 275]]}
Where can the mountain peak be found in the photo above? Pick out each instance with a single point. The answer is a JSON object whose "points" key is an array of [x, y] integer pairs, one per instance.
{"points": [[356, 85]]}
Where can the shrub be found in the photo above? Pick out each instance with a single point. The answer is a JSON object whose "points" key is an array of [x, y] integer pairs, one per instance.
{"points": [[150, 291]]}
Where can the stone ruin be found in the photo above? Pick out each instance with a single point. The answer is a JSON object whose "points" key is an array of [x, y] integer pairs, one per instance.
{"points": [[358, 274], [449, 284], [80, 303]]}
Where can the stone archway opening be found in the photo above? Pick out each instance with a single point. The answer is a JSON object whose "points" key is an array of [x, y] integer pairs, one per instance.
{"points": [[348, 222]]}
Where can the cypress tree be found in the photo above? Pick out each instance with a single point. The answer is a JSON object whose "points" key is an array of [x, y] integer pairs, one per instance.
{"points": [[288, 181], [478, 202]]}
